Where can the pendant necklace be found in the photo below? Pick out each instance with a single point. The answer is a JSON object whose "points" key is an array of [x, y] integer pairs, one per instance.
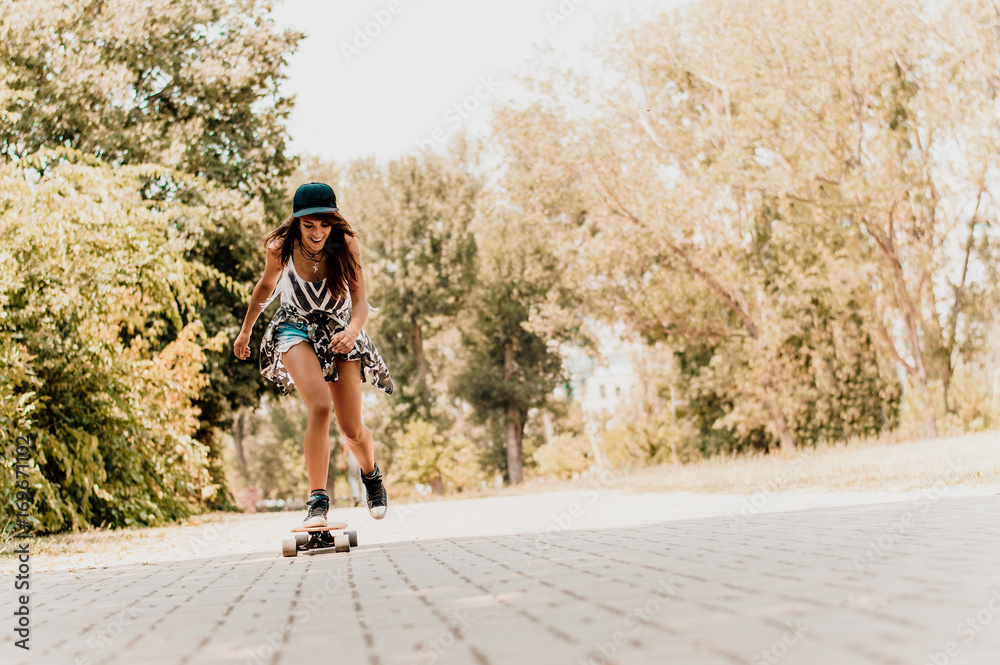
{"points": [[312, 257]]}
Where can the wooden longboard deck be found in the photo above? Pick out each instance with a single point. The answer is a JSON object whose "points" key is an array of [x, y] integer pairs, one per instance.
{"points": [[330, 526]]}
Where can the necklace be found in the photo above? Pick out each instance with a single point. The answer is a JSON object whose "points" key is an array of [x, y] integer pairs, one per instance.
{"points": [[315, 258]]}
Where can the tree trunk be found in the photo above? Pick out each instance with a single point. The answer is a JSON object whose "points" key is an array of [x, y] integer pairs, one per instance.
{"points": [[336, 452], [930, 422], [513, 431], [512, 424], [956, 308], [908, 310], [238, 428], [785, 438], [418, 350], [673, 424], [437, 485], [459, 417], [920, 368]]}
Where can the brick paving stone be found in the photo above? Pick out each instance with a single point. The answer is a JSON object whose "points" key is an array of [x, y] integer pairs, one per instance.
{"points": [[837, 586]]}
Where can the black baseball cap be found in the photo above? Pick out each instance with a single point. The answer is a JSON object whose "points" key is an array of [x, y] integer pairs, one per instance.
{"points": [[313, 197]]}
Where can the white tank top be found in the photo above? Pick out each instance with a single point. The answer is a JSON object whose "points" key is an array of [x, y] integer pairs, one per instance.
{"points": [[307, 296]]}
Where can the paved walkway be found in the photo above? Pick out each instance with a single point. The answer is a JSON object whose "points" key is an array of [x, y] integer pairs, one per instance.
{"points": [[912, 582]]}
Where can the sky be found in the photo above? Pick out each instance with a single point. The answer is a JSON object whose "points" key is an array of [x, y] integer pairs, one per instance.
{"points": [[382, 78]]}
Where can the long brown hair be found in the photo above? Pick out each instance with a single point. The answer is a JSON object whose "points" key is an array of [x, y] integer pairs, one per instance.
{"points": [[341, 267]]}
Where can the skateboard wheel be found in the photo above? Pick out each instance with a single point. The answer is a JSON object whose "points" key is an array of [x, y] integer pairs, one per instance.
{"points": [[342, 543], [353, 535], [301, 539], [288, 548]]}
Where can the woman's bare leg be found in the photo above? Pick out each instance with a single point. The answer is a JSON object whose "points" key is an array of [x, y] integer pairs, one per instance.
{"points": [[346, 394], [305, 370]]}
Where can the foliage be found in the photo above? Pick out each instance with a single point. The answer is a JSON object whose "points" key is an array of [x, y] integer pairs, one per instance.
{"points": [[426, 456], [94, 276], [418, 453], [565, 455], [787, 194], [17, 402], [188, 85], [510, 369], [274, 449], [975, 407], [461, 467]]}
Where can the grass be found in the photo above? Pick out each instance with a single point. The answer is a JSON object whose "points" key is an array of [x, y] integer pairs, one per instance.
{"points": [[971, 460]]}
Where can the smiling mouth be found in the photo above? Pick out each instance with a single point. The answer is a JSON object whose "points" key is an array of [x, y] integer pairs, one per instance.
{"points": [[317, 240]]}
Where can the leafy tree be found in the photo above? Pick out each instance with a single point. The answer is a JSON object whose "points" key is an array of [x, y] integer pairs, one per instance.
{"points": [[863, 134], [758, 186], [189, 85], [510, 369], [94, 275]]}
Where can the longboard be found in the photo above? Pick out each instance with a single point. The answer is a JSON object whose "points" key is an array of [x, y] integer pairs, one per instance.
{"points": [[310, 539]]}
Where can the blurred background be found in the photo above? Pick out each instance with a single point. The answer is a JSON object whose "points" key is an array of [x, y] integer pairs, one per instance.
{"points": [[600, 236]]}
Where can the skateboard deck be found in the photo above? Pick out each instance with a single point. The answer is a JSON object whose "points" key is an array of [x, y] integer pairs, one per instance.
{"points": [[330, 526], [312, 539]]}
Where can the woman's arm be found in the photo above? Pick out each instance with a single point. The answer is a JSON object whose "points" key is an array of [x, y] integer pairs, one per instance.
{"points": [[343, 341], [261, 293]]}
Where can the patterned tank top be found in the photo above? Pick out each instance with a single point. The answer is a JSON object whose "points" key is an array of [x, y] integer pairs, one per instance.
{"points": [[306, 296]]}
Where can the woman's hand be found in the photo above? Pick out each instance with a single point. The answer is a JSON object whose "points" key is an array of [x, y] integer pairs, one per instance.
{"points": [[344, 341], [241, 347]]}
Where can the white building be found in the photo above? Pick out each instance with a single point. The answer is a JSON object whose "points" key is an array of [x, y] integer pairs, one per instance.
{"points": [[602, 383]]}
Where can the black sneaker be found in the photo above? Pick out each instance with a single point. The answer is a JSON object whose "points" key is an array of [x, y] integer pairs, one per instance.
{"points": [[378, 502], [318, 504]]}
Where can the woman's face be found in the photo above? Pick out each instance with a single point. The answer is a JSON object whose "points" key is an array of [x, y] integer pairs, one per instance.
{"points": [[314, 232]]}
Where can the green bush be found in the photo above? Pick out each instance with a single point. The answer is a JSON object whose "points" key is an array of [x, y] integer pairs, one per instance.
{"points": [[100, 338]]}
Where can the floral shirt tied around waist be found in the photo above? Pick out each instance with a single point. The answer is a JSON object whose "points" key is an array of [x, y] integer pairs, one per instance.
{"points": [[321, 326]]}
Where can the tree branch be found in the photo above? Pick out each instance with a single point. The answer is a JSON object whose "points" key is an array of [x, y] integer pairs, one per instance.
{"points": [[694, 269]]}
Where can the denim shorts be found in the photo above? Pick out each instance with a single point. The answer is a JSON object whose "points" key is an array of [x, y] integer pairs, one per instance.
{"points": [[288, 335]]}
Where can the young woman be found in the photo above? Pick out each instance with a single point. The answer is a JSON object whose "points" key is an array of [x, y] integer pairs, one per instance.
{"points": [[316, 339]]}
